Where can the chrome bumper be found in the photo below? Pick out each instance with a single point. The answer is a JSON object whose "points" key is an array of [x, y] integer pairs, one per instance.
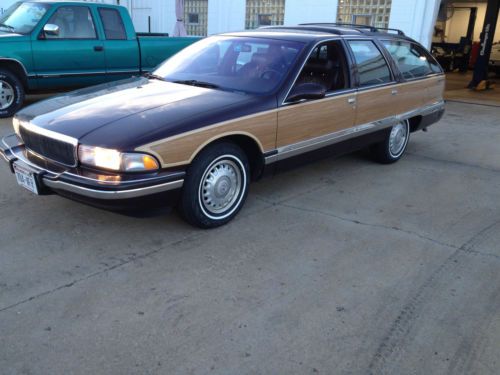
{"points": [[91, 187]]}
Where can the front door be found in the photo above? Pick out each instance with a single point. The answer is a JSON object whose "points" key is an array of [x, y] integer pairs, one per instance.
{"points": [[311, 123], [74, 55]]}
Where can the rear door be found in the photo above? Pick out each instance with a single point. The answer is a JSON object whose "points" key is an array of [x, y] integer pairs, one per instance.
{"points": [[121, 48], [311, 123], [376, 91], [73, 57]]}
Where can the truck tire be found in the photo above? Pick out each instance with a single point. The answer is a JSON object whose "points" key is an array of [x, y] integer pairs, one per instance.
{"points": [[11, 93]]}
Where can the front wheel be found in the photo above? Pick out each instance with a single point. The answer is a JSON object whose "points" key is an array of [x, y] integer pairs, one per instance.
{"points": [[11, 93], [216, 186], [393, 147]]}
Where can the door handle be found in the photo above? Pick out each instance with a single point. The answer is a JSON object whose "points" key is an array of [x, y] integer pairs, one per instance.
{"points": [[351, 100], [394, 92], [98, 48]]}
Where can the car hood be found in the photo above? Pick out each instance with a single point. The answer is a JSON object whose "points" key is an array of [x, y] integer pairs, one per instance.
{"points": [[123, 113]]}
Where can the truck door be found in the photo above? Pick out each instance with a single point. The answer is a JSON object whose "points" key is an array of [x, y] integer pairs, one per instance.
{"points": [[72, 55], [121, 48]]}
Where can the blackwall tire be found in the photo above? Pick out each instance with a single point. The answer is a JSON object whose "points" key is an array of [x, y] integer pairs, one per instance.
{"points": [[216, 186], [394, 146], [11, 93]]}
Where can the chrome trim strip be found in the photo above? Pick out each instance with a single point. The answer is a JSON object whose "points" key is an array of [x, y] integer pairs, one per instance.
{"points": [[113, 195], [345, 134]]}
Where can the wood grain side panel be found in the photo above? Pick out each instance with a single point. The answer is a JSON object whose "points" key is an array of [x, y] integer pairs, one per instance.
{"points": [[376, 104], [181, 149], [410, 96], [312, 119], [435, 89]]}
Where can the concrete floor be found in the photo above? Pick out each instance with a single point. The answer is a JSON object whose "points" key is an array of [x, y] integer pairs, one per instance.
{"points": [[457, 91], [339, 267]]}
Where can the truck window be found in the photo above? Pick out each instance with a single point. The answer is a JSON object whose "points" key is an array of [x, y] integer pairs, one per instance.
{"points": [[113, 24], [411, 59], [372, 67], [75, 22]]}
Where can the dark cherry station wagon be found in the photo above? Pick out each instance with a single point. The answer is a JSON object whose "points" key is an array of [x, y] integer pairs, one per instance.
{"points": [[216, 115]]}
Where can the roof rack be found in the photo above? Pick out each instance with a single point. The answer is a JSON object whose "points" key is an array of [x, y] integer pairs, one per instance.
{"points": [[354, 26]]}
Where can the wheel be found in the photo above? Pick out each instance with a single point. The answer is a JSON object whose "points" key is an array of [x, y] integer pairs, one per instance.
{"points": [[393, 147], [11, 93], [216, 186]]}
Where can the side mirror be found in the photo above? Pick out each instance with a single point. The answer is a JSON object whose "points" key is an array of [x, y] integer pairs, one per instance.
{"points": [[51, 29], [307, 91]]}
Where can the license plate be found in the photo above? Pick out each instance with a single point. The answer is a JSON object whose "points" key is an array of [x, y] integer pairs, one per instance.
{"points": [[26, 179]]}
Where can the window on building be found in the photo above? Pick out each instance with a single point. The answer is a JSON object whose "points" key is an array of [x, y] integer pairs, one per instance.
{"points": [[196, 16], [364, 12], [372, 67], [113, 24], [412, 60], [75, 22], [264, 13]]}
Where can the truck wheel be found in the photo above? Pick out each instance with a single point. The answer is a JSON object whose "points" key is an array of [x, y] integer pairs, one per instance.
{"points": [[216, 186], [393, 147], [11, 93]]}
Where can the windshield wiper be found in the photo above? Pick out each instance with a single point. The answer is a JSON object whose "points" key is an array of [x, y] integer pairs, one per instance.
{"points": [[7, 26], [194, 82], [154, 76]]}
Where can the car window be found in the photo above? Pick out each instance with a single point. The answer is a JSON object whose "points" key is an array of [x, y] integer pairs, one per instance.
{"points": [[411, 59], [22, 17], [253, 65], [113, 24], [74, 22], [326, 66], [372, 67]]}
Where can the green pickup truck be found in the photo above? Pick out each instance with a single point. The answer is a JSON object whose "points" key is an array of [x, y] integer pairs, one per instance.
{"points": [[47, 45]]}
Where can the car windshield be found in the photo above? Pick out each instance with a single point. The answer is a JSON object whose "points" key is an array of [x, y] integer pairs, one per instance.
{"points": [[245, 64], [21, 18]]}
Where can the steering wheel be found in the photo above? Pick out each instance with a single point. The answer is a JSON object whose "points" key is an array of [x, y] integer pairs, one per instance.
{"points": [[270, 73]]}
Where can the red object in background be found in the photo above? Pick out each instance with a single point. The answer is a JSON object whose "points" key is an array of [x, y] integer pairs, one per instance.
{"points": [[473, 54]]}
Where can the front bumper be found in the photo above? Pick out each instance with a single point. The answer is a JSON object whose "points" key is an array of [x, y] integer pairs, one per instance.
{"points": [[90, 184]]}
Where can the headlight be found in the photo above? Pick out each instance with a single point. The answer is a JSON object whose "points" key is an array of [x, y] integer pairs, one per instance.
{"points": [[115, 160], [15, 124]]}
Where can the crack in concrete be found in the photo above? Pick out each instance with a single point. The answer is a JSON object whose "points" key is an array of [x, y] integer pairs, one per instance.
{"points": [[453, 162]]}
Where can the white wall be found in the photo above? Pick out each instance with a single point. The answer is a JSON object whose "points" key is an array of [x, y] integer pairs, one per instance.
{"points": [[415, 18], [456, 27], [224, 15], [300, 11]]}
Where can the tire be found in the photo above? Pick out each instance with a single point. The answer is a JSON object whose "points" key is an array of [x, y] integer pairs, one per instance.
{"points": [[394, 146], [216, 186], [11, 93]]}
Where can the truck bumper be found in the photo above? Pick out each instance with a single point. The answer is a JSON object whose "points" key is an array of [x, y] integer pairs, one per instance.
{"points": [[50, 177]]}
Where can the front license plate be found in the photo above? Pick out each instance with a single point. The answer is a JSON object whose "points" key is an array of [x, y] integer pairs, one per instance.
{"points": [[26, 179]]}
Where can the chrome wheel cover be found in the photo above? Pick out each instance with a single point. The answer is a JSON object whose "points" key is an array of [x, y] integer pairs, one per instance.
{"points": [[398, 139], [221, 187], [6, 95]]}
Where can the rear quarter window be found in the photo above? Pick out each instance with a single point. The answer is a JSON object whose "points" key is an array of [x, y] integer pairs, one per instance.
{"points": [[113, 24], [412, 60]]}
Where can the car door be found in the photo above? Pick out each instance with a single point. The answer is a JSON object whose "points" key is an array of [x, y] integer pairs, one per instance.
{"points": [[309, 124], [376, 90], [121, 49], [71, 56]]}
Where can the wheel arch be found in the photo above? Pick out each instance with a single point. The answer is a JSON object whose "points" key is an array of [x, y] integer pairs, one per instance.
{"points": [[247, 142], [17, 68]]}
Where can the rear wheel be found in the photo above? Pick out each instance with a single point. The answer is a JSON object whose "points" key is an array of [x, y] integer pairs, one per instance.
{"points": [[11, 93], [393, 147], [216, 186]]}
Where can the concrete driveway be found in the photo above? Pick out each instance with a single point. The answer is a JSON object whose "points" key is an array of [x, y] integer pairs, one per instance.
{"points": [[339, 267]]}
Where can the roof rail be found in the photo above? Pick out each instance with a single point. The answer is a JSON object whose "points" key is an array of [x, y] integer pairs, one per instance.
{"points": [[354, 26]]}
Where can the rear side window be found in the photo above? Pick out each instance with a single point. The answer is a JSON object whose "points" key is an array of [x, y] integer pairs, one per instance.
{"points": [[372, 67], [113, 24], [412, 60]]}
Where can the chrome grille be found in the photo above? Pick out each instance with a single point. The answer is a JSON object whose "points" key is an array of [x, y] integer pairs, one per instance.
{"points": [[50, 148]]}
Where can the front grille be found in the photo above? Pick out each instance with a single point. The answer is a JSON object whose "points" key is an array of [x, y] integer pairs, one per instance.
{"points": [[53, 149]]}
